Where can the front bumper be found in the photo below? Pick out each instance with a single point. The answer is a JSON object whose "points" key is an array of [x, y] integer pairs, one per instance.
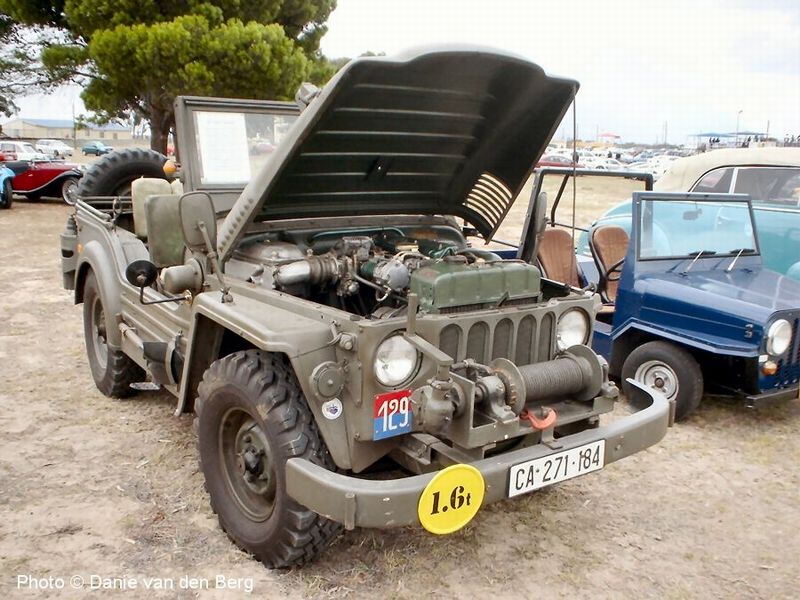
{"points": [[359, 502], [772, 397]]}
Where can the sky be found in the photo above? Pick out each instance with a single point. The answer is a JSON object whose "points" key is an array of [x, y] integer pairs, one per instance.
{"points": [[689, 64], [645, 66]]}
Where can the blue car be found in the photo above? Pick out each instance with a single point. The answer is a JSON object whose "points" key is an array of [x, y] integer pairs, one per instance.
{"points": [[6, 192], [687, 306]]}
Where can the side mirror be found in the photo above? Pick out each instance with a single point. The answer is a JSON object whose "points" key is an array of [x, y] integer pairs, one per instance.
{"points": [[141, 273], [198, 221], [692, 215]]}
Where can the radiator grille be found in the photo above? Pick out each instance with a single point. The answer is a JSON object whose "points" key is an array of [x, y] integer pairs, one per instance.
{"points": [[789, 367], [524, 339], [462, 308]]}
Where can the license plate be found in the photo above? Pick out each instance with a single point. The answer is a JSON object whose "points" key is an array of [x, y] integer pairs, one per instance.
{"points": [[391, 414], [541, 472]]}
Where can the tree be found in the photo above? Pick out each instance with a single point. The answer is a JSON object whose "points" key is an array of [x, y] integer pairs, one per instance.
{"points": [[19, 65], [138, 55]]}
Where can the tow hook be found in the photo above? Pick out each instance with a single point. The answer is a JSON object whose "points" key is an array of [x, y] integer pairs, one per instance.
{"points": [[548, 419]]}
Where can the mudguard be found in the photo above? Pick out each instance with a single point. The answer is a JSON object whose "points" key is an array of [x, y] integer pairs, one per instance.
{"points": [[274, 330]]}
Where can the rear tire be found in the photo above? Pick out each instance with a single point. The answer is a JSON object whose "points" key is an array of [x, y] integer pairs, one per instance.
{"points": [[113, 371], [667, 368], [6, 195], [112, 175], [251, 419]]}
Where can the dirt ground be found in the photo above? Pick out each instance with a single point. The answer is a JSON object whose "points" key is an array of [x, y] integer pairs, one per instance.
{"points": [[98, 488]]}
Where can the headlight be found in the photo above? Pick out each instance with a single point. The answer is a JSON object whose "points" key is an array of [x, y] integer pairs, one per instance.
{"points": [[779, 336], [572, 329], [395, 361]]}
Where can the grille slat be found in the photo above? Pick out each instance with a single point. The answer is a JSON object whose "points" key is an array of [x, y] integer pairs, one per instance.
{"points": [[523, 339], [789, 368]]}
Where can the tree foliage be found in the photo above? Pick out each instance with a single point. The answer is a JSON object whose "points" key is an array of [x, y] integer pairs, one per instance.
{"points": [[138, 55]]}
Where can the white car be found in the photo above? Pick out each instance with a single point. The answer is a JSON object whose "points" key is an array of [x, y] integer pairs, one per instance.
{"points": [[54, 148], [23, 150]]}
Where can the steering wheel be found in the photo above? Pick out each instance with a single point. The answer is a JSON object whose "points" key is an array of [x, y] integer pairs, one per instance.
{"points": [[614, 272]]}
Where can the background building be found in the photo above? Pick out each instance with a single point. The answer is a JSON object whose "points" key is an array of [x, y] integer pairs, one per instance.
{"points": [[63, 129]]}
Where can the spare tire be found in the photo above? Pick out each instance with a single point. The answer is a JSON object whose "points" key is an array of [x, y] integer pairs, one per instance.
{"points": [[112, 175]]}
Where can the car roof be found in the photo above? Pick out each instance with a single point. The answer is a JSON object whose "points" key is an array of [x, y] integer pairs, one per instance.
{"points": [[685, 172]]}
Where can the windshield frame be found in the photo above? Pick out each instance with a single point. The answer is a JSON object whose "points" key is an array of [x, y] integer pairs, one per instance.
{"points": [[224, 195], [639, 198]]}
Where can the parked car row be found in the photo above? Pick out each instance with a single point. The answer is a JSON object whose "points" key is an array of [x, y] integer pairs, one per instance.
{"points": [[35, 179]]}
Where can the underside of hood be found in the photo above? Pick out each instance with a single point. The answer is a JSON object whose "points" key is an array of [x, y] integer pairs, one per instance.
{"points": [[448, 132]]}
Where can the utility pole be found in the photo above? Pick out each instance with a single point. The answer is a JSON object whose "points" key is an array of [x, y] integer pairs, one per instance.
{"points": [[738, 114]]}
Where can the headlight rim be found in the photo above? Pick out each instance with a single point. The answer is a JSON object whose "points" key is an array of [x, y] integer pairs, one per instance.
{"points": [[417, 364], [771, 334], [587, 323]]}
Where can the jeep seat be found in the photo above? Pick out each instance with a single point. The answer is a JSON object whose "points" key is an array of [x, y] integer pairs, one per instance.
{"points": [[162, 219], [609, 245], [140, 189], [556, 256]]}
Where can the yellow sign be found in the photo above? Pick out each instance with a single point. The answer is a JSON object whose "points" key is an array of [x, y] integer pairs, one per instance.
{"points": [[451, 499]]}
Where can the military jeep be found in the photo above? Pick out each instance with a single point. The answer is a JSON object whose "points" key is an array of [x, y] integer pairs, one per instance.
{"points": [[308, 290]]}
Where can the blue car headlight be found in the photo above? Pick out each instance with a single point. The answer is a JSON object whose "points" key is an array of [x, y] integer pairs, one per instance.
{"points": [[779, 336]]}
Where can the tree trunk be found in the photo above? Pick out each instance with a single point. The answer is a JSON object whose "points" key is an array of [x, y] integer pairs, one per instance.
{"points": [[160, 124]]}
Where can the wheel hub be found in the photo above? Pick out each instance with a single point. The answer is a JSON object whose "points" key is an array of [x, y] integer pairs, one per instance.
{"points": [[100, 333], [659, 376], [245, 457]]}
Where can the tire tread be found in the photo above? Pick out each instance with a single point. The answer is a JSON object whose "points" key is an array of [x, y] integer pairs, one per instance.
{"points": [[268, 376]]}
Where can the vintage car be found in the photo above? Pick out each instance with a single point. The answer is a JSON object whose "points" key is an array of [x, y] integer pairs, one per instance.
{"points": [[770, 176], [54, 148], [22, 150], [689, 307], [54, 179], [350, 358]]}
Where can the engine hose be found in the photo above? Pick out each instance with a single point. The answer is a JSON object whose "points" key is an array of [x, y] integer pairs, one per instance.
{"points": [[563, 376]]}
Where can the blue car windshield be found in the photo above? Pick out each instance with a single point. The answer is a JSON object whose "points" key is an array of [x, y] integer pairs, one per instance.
{"points": [[684, 229]]}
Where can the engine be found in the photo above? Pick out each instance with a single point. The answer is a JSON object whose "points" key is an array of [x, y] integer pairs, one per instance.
{"points": [[366, 276]]}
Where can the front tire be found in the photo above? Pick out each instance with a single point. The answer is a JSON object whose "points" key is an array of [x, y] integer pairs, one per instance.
{"points": [[251, 419], [666, 368], [6, 195], [112, 370]]}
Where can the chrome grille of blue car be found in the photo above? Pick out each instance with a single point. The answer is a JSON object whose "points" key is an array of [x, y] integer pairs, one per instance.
{"points": [[789, 367]]}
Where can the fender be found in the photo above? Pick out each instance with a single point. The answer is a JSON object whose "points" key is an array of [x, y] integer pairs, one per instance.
{"points": [[93, 256], [274, 330], [706, 344], [5, 173]]}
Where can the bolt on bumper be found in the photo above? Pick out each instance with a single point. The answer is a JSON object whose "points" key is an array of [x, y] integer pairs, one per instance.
{"points": [[357, 502]]}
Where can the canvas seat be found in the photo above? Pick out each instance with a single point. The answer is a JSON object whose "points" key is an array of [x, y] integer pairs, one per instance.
{"points": [[609, 245], [156, 219], [556, 256]]}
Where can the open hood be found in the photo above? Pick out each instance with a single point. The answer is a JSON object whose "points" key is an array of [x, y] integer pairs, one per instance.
{"points": [[452, 131]]}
